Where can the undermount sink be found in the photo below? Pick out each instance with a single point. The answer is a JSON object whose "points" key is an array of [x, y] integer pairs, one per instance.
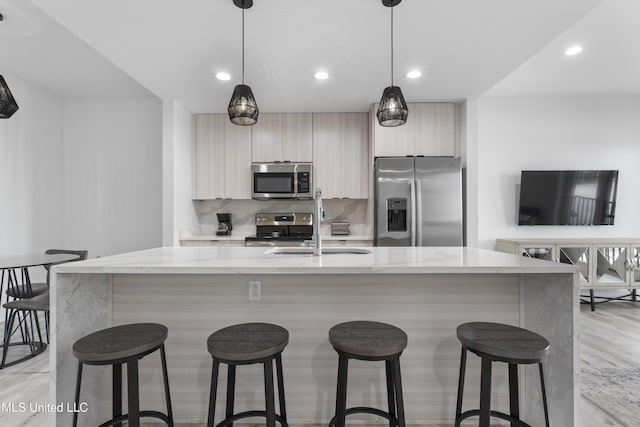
{"points": [[325, 251]]}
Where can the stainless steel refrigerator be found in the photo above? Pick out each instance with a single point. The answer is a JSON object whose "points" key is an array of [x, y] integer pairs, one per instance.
{"points": [[418, 201]]}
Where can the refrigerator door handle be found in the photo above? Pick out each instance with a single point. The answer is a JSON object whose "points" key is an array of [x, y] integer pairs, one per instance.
{"points": [[412, 210], [418, 212]]}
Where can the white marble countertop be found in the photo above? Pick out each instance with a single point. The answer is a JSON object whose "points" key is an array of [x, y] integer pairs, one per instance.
{"points": [[240, 237], [250, 260]]}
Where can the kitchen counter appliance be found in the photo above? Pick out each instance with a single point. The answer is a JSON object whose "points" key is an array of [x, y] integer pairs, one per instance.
{"points": [[281, 181], [281, 229], [418, 201], [224, 224]]}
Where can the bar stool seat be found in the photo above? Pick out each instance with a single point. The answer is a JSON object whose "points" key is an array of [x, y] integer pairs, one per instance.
{"points": [[373, 341], [496, 342], [124, 344], [246, 344]]}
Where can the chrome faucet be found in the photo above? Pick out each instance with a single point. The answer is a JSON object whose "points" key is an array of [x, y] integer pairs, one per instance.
{"points": [[316, 240]]}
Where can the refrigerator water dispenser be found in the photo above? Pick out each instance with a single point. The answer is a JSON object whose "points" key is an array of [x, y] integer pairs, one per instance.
{"points": [[397, 215]]}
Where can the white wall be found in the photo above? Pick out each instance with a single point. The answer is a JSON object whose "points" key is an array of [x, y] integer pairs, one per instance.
{"points": [[177, 206], [516, 133], [31, 183], [112, 174]]}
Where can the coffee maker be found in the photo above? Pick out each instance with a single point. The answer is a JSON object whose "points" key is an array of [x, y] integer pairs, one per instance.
{"points": [[224, 224]]}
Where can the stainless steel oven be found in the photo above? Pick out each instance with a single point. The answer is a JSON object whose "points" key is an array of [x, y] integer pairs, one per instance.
{"points": [[281, 181], [281, 229]]}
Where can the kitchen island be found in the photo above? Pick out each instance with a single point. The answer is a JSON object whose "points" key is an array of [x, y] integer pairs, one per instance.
{"points": [[425, 291]]}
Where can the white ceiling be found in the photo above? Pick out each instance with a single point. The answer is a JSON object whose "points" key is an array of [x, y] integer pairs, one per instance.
{"points": [[38, 49], [608, 65], [175, 47]]}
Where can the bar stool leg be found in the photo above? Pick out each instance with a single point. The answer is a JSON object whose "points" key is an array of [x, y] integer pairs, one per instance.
{"points": [[117, 391], [397, 379], [77, 400], [463, 365], [268, 393], [544, 395], [391, 396], [485, 392], [341, 393], [132, 391], [231, 390], [167, 394], [514, 398], [212, 393], [283, 409]]}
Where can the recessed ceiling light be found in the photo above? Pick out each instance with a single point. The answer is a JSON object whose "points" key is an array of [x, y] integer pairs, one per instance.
{"points": [[573, 50], [414, 74], [223, 76], [321, 75]]}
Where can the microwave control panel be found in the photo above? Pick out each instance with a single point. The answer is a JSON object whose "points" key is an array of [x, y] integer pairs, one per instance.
{"points": [[303, 182]]}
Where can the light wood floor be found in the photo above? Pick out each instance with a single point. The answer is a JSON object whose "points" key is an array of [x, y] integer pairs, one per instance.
{"points": [[605, 334]]}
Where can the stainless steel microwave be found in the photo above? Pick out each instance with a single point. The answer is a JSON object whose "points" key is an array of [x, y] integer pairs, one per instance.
{"points": [[281, 181]]}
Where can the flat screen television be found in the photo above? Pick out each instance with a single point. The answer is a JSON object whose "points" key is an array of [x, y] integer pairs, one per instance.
{"points": [[568, 197]]}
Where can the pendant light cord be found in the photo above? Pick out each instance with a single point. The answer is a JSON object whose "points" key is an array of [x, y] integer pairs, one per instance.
{"points": [[242, 46], [391, 45]]}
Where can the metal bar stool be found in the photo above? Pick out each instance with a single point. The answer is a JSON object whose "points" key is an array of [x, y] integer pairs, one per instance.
{"points": [[246, 344], [115, 346], [375, 341], [496, 342]]}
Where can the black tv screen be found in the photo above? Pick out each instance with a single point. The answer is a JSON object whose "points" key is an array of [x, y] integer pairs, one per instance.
{"points": [[569, 197]]}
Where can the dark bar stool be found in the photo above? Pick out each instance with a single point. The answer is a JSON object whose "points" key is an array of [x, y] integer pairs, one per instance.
{"points": [[118, 345], [375, 341], [246, 344], [495, 342]]}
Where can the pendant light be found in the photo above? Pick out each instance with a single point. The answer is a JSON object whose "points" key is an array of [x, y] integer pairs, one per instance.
{"points": [[8, 104], [392, 110], [243, 109]]}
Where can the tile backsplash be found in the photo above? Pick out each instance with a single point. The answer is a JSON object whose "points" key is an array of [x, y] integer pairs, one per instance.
{"points": [[243, 213]]}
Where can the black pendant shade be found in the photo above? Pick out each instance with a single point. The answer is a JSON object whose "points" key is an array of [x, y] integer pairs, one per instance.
{"points": [[8, 104], [243, 109], [392, 110]]}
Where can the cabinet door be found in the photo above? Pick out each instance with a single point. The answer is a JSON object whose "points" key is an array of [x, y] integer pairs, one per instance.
{"points": [[611, 264], [392, 141], [634, 266], [237, 161], [208, 157], [282, 137], [579, 255], [354, 141], [434, 127], [266, 138], [297, 137], [327, 154]]}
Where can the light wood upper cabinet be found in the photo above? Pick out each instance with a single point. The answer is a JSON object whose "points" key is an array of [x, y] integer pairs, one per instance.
{"points": [[282, 137], [340, 154], [237, 165], [430, 130], [221, 158], [207, 155]]}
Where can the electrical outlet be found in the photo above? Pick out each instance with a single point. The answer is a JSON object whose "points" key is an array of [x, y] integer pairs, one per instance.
{"points": [[255, 290]]}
